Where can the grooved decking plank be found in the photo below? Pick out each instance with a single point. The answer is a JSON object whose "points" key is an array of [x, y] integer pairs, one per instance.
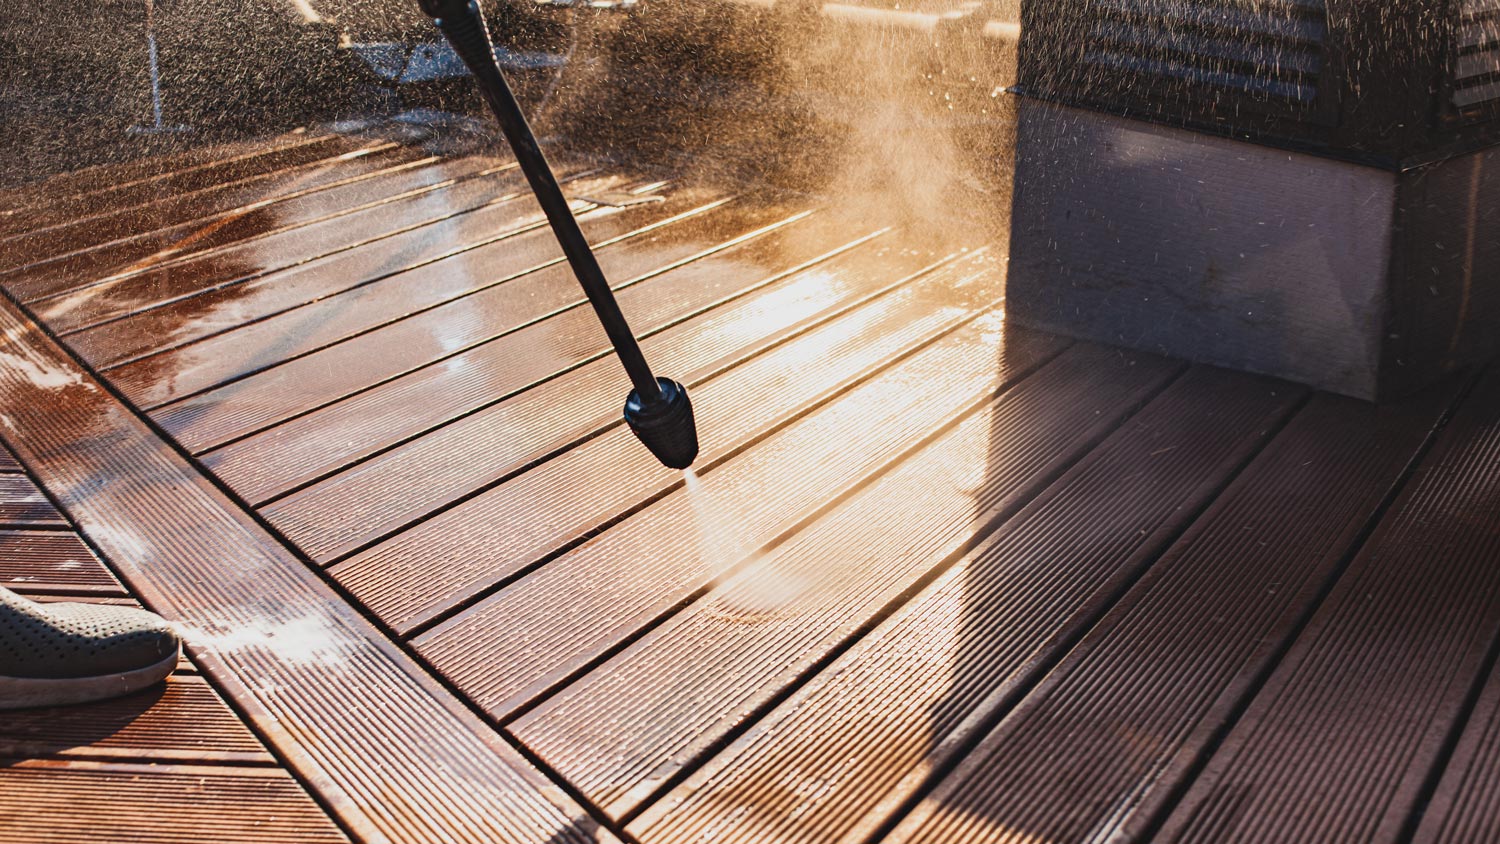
{"points": [[782, 615], [393, 754], [354, 248], [49, 263], [365, 184], [22, 504], [84, 803], [52, 561], [539, 356], [200, 189], [834, 760], [8, 461], [1100, 747], [116, 175], [564, 499], [1339, 741], [585, 603], [182, 720], [317, 353], [1466, 805]]}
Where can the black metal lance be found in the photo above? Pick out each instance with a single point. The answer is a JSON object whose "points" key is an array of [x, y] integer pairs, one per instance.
{"points": [[658, 409]]}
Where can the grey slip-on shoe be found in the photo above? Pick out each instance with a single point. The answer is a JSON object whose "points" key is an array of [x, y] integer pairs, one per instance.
{"points": [[58, 654]]}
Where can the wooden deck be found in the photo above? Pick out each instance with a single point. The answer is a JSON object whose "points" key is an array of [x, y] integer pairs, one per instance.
{"points": [[334, 405]]}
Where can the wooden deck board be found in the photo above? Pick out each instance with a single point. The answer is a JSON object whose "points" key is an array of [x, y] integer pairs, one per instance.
{"points": [[81, 803], [1341, 739], [400, 579], [8, 462], [219, 370], [1465, 805], [978, 634], [365, 183], [487, 182], [788, 610], [302, 665], [1136, 701], [123, 239], [142, 740], [196, 192], [181, 721], [468, 437], [24, 505], [590, 600], [469, 353], [954, 553], [52, 561]]}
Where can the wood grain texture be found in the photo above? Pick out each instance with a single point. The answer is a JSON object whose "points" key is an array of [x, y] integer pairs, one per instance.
{"points": [[53, 561], [181, 720], [815, 589], [1127, 714], [622, 579], [1342, 737], [23, 505], [304, 667], [86, 803], [474, 183]]}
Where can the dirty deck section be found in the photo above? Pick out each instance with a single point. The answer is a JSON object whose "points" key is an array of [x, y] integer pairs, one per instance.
{"points": [[338, 408]]}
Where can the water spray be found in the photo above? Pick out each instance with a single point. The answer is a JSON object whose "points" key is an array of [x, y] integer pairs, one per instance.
{"points": [[657, 410]]}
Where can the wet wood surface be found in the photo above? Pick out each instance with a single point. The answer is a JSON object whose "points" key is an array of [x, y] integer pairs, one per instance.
{"points": [[943, 578], [165, 764]]}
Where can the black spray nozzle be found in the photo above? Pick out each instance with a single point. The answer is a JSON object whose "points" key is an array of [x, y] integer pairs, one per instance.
{"points": [[658, 409], [664, 424]]}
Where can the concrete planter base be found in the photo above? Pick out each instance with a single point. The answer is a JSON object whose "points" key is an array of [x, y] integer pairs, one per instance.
{"points": [[1355, 279]]}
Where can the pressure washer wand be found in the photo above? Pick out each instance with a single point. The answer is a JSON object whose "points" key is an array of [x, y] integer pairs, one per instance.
{"points": [[657, 410]]}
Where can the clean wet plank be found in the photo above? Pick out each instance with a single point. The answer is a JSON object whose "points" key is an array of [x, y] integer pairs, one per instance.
{"points": [[208, 392], [541, 355], [872, 726], [477, 351], [482, 182], [625, 578], [550, 508], [788, 610]]}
